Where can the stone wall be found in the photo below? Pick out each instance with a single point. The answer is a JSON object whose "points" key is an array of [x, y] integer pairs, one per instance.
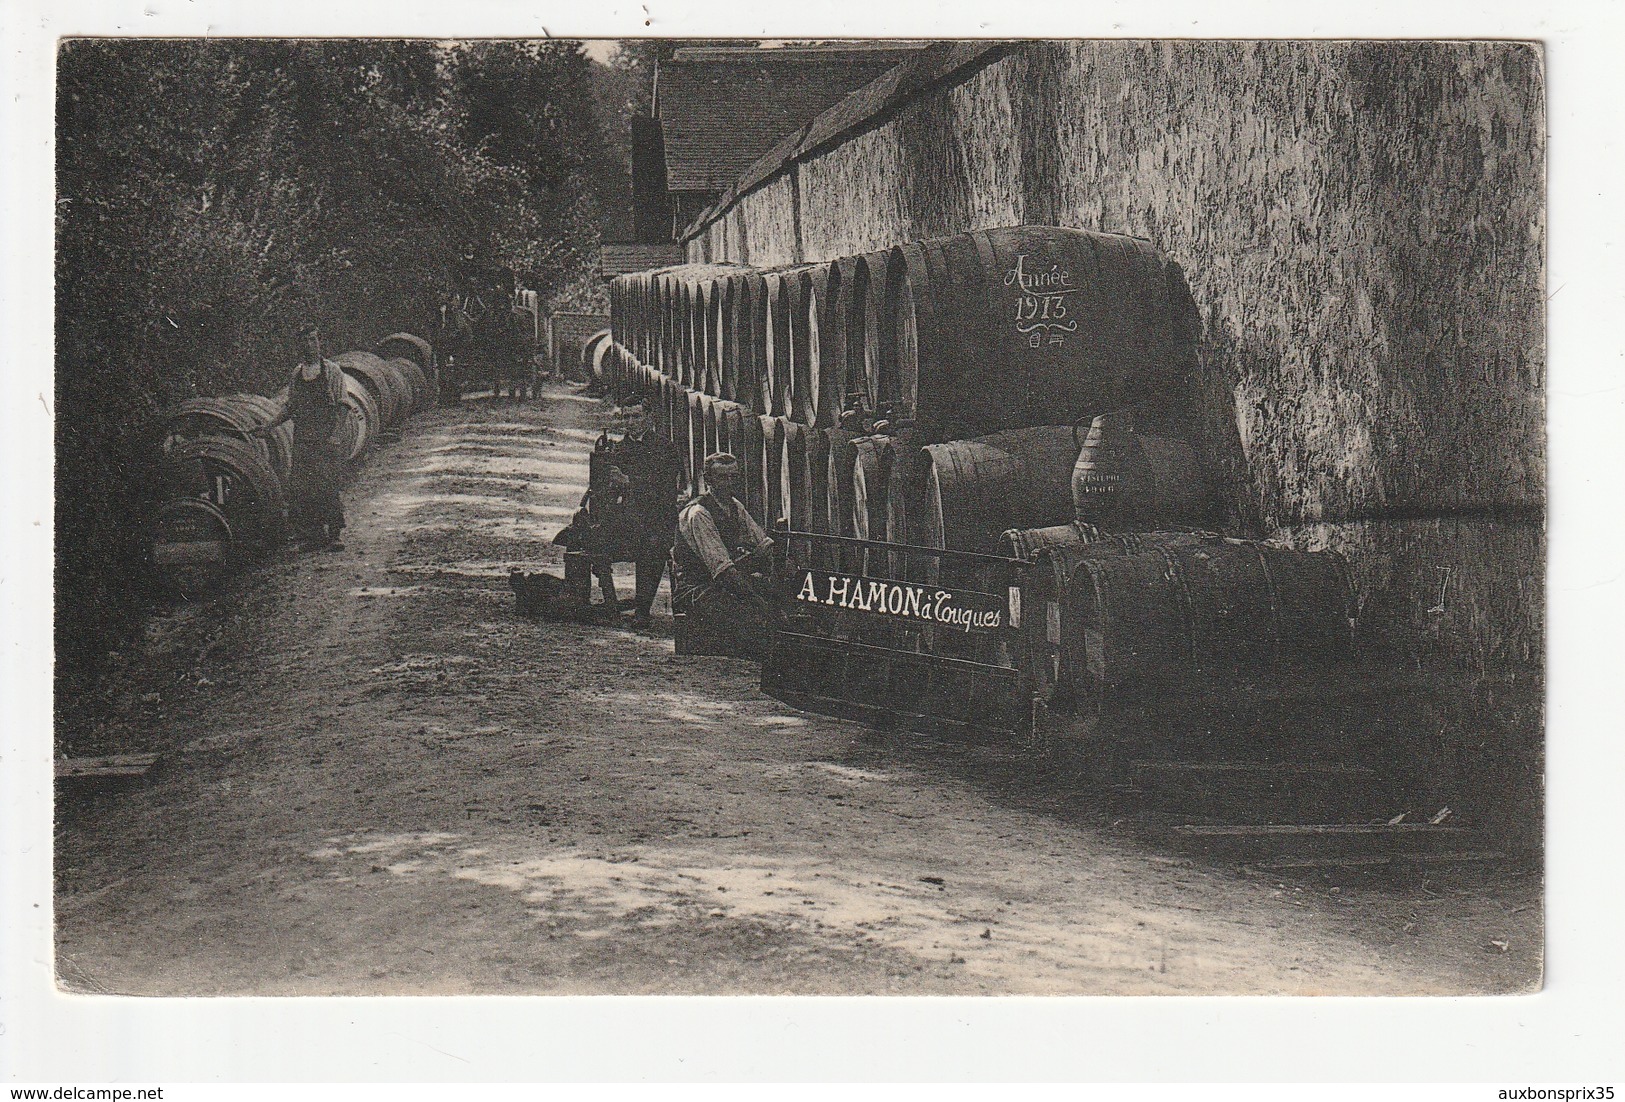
{"points": [[1362, 226]]}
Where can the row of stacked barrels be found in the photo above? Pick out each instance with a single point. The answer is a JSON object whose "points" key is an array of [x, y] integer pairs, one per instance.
{"points": [[1027, 392], [223, 489], [922, 361]]}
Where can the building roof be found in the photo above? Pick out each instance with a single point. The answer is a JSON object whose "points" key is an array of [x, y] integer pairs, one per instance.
{"points": [[619, 258], [722, 111]]}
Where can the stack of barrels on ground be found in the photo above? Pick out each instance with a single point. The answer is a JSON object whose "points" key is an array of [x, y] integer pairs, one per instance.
{"points": [[223, 490], [1027, 392]]}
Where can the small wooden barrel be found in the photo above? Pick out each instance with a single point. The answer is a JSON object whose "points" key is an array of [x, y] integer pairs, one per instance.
{"points": [[778, 341], [796, 475], [871, 470], [845, 340], [772, 455], [972, 491], [233, 477], [728, 290], [880, 383], [818, 475], [748, 450], [387, 387], [696, 441], [842, 455], [190, 546]]}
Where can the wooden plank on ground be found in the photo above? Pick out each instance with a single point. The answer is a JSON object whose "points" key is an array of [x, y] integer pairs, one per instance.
{"points": [[1267, 768], [1259, 830], [113, 765], [1284, 863]]}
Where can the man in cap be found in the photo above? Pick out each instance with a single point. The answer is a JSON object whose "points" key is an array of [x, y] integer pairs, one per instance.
{"points": [[723, 562]]}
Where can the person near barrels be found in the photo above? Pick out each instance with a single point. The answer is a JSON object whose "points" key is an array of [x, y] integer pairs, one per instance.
{"points": [[722, 562], [598, 526], [649, 517], [315, 405]]}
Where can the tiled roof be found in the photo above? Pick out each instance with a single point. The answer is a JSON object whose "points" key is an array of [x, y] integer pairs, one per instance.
{"points": [[721, 113], [619, 258]]}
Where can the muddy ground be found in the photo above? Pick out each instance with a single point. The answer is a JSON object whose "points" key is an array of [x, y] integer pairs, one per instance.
{"points": [[375, 778]]}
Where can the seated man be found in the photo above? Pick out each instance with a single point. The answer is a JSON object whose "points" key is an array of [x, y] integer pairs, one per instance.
{"points": [[722, 575]]}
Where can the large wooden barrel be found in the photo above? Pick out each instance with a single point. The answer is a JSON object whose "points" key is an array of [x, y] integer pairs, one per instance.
{"points": [[408, 346], [230, 417], [772, 455], [1157, 620], [1028, 543], [649, 319], [796, 475], [965, 494], [190, 546], [713, 427], [1030, 325], [590, 349], [405, 387], [618, 304], [279, 444], [363, 412], [678, 418], [384, 384], [871, 470], [827, 380], [629, 328], [599, 356], [422, 396], [665, 360], [232, 476]]}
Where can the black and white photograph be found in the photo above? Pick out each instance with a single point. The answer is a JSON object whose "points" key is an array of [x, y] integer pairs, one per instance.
{"points": [[709, 516]]}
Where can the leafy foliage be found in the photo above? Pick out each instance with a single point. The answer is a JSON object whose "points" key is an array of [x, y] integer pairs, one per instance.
{"points": [[213, 194]]}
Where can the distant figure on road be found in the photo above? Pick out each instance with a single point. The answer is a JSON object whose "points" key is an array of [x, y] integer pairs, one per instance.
{"points": [[723, 571], [315, 405]]}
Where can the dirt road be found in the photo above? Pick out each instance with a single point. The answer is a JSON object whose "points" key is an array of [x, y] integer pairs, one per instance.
{"points": [[375, 778]]}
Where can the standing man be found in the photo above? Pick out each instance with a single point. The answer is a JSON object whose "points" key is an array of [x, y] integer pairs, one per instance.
{"points": [[723, 560], [654, 480], [315, 405]]}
